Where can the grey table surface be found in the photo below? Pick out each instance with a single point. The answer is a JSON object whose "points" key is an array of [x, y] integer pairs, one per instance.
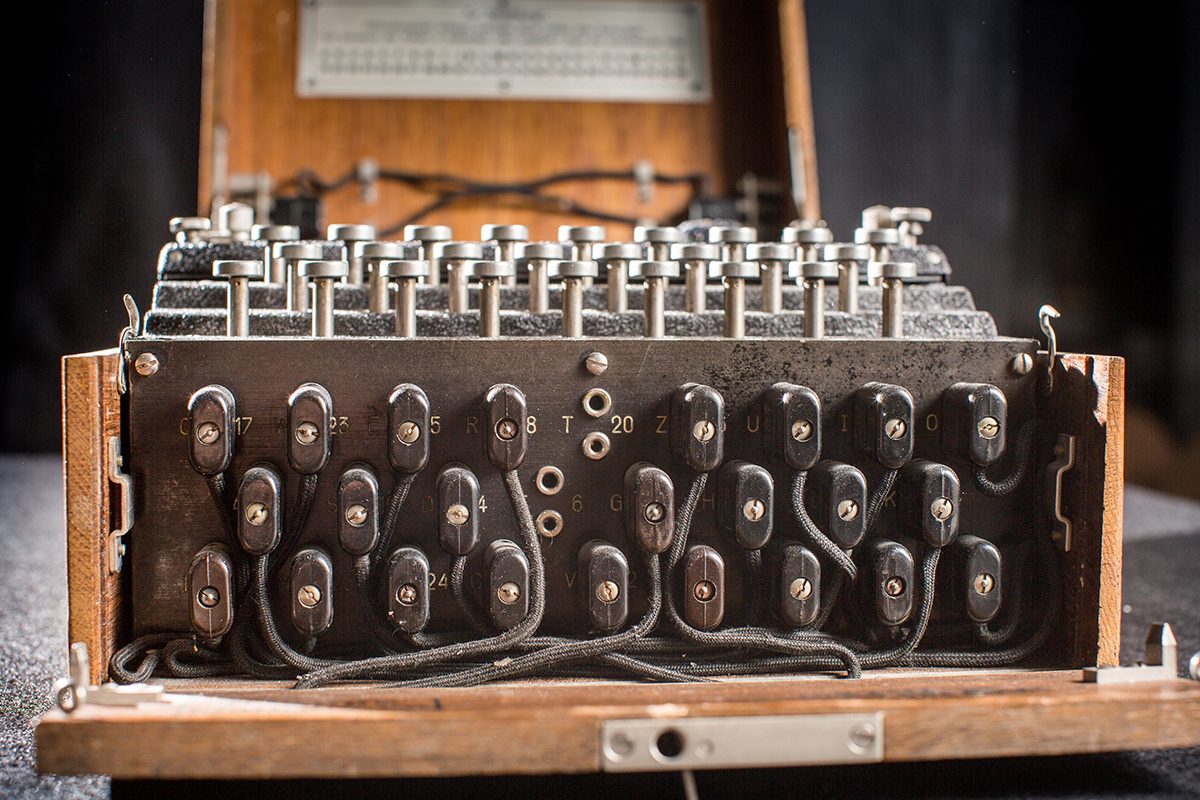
{"points": [[1162, 554]]}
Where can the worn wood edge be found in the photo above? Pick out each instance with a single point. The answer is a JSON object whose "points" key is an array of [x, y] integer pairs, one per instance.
{"points": [[1112, 534], [294, 740], [797, 91], [91, 413]]}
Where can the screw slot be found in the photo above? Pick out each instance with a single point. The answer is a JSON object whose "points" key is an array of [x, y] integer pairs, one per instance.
{"points": [[754, 509], [356, 515], [507, 429], [941, 509], [704, 591], [847, 510], [984, 583], [608, 591], [208, 597], [549, 523], [549, 480], [989, 427], [308, 596], [895, 428], [408, 432], [704, 430], [256, 513], [407, 594], [458, 514], [306, 433], [801, 588], [802, 430], [597, 403], [654, 513], [894, 586], [596, 445], [508, 593], [207, 432]]}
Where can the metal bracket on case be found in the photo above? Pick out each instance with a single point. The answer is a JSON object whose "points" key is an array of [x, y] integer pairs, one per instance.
{"points": [[1161, 664], [647, 745], [116, 538], [1064, 461], [74, 691]]}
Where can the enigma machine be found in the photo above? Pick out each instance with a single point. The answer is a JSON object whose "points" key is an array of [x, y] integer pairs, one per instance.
{"points": [[714, 488]]}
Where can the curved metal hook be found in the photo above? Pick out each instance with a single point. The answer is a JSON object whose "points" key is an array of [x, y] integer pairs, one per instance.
{"points": [[133, 329], [1045, 314]]}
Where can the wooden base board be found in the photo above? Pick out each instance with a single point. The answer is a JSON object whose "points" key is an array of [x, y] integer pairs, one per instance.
{"points": [[242, 730]]}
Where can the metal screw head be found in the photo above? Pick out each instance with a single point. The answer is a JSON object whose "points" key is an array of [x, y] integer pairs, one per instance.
{"points": [[356, 514], [1021, 364], [596, 363], [847, 510], [704, 591], [407, 594], [801, 588], [306, 433], [802, 430], [754, 509], [256, 513], [458, 514], [862, 736], [208, 597], [508, 593], [654, 513], [608, 591], [507, 429], [941, 509], [146, 364], [988, 427], [984, 583], [408, 432], [894, 586], [308, 596], [895, 428], [207, 432], [704, 430]]}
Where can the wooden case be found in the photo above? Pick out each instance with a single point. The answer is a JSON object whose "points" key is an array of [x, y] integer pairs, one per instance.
{"points": [[247, 729]]}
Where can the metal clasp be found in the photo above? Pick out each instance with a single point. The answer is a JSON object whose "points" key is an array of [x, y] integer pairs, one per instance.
{"points": [[1045, 314], [75, 690], [116, 538], [132, 330]]}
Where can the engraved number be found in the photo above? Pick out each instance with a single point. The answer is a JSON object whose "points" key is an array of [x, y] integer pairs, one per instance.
{"points": [[622, 424]]}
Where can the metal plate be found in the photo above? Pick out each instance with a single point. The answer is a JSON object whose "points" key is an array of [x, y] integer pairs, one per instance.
{"points": [[649, 745], [523, 49], [175, 516]]}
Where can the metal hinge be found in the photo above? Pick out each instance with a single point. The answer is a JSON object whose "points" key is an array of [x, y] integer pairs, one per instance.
{"points": [[643, 745], [1161, 664], [116, 538], [1064, 462], [75, 690]]}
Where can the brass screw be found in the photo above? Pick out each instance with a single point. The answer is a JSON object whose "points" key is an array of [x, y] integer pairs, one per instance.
{"points": [[941, 509], [704, 591], [754, 509], [801, 588], [146, 364], [507, 429], [984, 583], [608, 591], [308, 596], [356, 514], [704, 430], [408, 432], [895, 428], [208, 597], [989, 427], [654, 513], [508, 593], [847, 510], [256, 513], [207, 432], [407, 594], [802, 430], [894, 586], [306, 433], [458, 514]]}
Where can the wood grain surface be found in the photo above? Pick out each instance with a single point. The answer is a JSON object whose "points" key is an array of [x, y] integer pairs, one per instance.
{"points": [[249, 92], [91, 414], [541, 728]]}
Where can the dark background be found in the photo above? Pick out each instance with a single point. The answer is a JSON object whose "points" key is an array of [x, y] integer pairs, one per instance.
{"points": [[1058, 145]]}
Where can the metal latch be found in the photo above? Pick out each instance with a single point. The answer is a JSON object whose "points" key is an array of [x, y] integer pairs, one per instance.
{"points": [[643, 745], [1064, 462], [1161, 664], [116, 538], [74, 691]]}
